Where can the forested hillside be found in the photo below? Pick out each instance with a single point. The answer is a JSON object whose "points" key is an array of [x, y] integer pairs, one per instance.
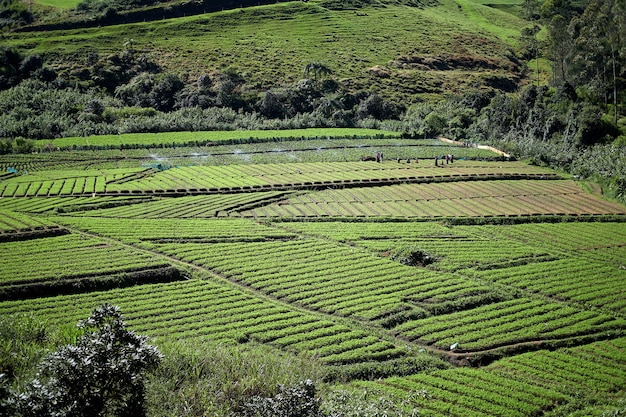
{"points": [[543, 80]]}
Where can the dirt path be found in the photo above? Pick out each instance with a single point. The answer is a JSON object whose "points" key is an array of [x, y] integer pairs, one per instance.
{"points": [[489, 148]]}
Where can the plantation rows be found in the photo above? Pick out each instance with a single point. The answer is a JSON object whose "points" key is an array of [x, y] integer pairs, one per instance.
{"points": [[589, 283], [524, 385], [284, 153], [268, 175], [67, 256], [484, 198], [348, 282], [204, 309], [521, 320], [145, 231], [197, 179], [68, 204], [328, 278], [513, 256], [11, 221], [66, 186], [268, 152], [206, 206], [582, 239]]}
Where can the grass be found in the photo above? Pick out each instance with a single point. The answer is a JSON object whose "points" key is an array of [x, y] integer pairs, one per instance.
{"points": [[272, 44], [213, 136], [59, 4]]}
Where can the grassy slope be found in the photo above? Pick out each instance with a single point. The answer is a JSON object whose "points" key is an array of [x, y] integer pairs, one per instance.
{"points": [[272, 44], [61, 4]]}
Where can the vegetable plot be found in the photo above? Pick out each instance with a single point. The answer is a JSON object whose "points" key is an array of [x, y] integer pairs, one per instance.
{"points": [[432, 200], [205, 309], [524, 385]]}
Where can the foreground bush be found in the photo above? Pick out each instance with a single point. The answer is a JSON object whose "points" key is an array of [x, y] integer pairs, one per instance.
{"points": [[101, 375]]}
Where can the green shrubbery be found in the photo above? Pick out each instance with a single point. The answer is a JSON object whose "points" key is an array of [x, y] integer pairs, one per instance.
{"points": [[102, 374]]}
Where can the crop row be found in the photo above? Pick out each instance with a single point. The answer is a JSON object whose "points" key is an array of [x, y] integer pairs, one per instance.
{"points": [[373, 230], [575, 238], [68, 203], [192, 309], [451, 247], [526, 384], [324, 276], [425, 200], [501, 324], [189, 229], [206, 206], [587, 282], [501, 254], [447, 191], [66, 186], [227, 176], [13, 221], [595, 240], [217, 137], [65, 256], [572, 370]]}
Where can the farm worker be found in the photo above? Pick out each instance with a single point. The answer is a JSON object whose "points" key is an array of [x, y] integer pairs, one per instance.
{"points": [[416, 161], [408, 160], [436, 161], [451, 158]]}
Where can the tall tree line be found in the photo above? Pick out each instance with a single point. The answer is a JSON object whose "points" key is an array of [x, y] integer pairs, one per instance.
{"points": [[587, 48]]}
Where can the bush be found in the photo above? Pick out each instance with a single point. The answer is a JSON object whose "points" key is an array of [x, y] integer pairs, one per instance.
{"points": [[296, 401], [101, 375], [411, 256]]}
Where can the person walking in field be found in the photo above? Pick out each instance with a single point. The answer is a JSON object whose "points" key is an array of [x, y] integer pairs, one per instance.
{"points": [[436, 161]]}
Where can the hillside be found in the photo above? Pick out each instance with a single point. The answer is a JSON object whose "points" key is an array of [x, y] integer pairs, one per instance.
{"points": [[403, 52]]}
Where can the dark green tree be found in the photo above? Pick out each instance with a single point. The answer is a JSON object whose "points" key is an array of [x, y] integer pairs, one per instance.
{"points": [[599, 60]]}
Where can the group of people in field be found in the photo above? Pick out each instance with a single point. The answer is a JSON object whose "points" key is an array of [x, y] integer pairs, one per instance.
{"points": [[408, 160], [449, 158]]}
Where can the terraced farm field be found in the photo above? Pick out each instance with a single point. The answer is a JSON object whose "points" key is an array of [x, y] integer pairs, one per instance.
{"points": [[394, 276]]}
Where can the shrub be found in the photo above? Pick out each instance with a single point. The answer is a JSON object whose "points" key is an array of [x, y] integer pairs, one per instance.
{"points": [[411, 256], [296, 401], [101, 375]]}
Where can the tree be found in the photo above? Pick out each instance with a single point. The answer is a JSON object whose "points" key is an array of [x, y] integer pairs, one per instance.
{"points": [[600, 54], [317, 69], [558, 14], [102, 375]]}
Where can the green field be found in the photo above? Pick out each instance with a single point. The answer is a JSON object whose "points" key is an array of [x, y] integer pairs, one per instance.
{"points": [[513, 268], [61, 4]]}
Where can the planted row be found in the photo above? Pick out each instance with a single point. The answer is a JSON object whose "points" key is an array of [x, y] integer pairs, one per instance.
{"points": [[331, 278], [203, 206], [67, 256], [527, 384], [173, 230], [193, 309], [507, 323], [427, 200]]}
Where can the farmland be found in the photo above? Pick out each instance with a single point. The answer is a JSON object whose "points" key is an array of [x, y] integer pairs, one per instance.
{"points": [[479, 286]]}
